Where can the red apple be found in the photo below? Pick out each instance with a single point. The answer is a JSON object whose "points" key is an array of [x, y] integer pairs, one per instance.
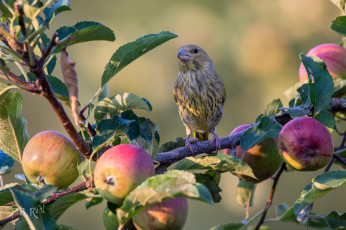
{"points": [[333, 55], [167, 215], [305, 144], [263, 158], [120, 169], [51, 158]]}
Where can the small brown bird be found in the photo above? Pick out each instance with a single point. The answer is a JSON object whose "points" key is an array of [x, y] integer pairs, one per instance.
{"points": [[199, 93]]}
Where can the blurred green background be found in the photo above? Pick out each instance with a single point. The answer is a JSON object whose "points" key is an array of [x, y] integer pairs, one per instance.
{"points": [[254, 45]]}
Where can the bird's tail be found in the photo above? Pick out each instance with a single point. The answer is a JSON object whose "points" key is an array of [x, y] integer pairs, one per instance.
{"points": [[201, 136]]}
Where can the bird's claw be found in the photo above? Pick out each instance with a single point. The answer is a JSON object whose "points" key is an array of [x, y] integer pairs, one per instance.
{"points": [[188, 143], [217, 142]]}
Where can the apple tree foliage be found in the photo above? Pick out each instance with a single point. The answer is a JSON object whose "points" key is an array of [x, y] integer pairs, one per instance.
{"points": [[108, 120]]}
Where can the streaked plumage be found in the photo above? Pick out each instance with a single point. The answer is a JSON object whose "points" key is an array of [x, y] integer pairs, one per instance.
{"points": [[199, 93]]}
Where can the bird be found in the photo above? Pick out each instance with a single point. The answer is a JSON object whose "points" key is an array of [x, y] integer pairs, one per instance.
{"points": [[200, 95]]}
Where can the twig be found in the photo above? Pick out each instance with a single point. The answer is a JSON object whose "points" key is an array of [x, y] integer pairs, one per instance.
{"points": [[49, 48], [47, 92], [339, 158], [271, 195], [77, 188], [27, 86]]}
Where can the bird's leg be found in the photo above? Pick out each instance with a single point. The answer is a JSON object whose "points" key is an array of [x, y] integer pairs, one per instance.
{"points": [[215, 139], [189, 141]]}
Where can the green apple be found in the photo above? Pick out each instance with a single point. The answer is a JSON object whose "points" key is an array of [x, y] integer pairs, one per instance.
{"points": [[168, 215], [120, 169], [51, 158], [305, 144], [263, 158]]}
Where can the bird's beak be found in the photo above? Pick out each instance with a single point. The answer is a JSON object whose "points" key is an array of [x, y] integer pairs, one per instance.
{"points": [[184, 55]]}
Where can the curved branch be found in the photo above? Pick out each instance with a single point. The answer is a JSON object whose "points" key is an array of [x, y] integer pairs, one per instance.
{"points": [[47, 92]]}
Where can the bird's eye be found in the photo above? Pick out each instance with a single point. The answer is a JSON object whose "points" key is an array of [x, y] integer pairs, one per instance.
{"points": [[195, 50]]}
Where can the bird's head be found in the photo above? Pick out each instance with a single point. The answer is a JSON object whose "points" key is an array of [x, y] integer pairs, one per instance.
{"points": [[192, 58]]}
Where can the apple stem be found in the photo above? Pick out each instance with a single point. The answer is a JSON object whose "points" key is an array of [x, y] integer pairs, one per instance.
{"points": [[271, 195], [40, 180], [110, 180]]}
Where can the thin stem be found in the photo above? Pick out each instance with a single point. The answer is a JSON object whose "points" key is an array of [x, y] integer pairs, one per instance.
{"points": [[271, 195], [339, 158], [22, 70], [49, 48]]}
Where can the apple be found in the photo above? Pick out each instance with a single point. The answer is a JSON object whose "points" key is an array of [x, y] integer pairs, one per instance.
{"points": [[263, 158], [333, 55], [120, 169], [51, 158], [170, 214], [305, 144]]}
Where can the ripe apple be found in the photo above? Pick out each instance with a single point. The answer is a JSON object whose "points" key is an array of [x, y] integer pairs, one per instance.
{"points": [[170, 214], [51, 158], [263, 158], [120, 169], [333, 55], [305, 144]]}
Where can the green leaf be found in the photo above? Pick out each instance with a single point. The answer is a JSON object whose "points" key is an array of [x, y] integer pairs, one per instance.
{"points": [[82, 32], [148, 136], [13, 136], [6, 196], [339, 25], [104, 93], [119, 103], [59, 206], [229, 226], [159, 188], [44, 192], [335, 220], [321, 84], [273, 108], [57, 8], [245, 193], [90, 202], [220, 163], [131, 51], [209, 182], [6, 163], [32, 209], [4, 89], [281, 209], [319, 186], [255, 134], [107, 129], [51, 65], [59, 87], [110, 219], [326, 118], [288, 215], [297, 111]]}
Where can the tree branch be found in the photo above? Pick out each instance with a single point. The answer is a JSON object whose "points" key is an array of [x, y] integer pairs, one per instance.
{"points": [[47, 92], [200, 147], [271, 195]]}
